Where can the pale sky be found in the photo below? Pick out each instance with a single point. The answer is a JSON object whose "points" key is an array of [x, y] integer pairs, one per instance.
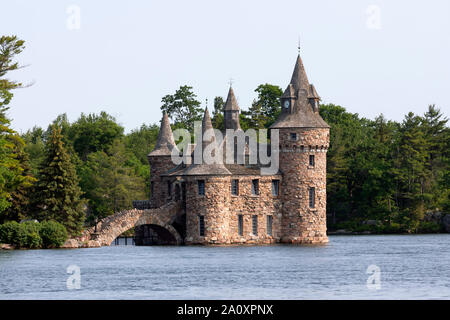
{"points": [[371, 57]]}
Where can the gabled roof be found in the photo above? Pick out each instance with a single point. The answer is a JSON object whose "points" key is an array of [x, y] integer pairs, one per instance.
{"points": [[165, 142]]}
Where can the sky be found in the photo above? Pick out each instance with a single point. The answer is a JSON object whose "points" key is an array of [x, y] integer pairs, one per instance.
{"points": [[371, 57]]}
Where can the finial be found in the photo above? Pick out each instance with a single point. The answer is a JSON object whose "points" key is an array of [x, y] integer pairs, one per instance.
{"points": [[298, 46], [206, 103], [231, 82]]}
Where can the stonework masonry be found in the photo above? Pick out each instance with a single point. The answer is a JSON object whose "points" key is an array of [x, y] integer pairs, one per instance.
{"points": [[196, 204]]}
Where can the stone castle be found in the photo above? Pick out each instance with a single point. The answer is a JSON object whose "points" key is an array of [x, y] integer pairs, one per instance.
{"points": [[234, 203]]}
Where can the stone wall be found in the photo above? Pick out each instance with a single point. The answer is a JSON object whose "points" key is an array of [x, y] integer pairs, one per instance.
{"points": [[300, 223], [221, 209], [158, 166]]}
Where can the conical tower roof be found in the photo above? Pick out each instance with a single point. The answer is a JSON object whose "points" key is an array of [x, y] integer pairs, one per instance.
{"points": [[299, 79], [231, 103], [301, 113], [204, 168], [165, 142]]}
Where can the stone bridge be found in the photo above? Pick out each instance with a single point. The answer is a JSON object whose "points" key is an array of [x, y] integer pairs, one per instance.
{"points": [[113, 226]]}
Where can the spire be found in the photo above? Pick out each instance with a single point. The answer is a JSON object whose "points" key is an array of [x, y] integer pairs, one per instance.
{"points": [[231, 112], [231, 103], [203, 168], [302, 95], [165, 142], [299, 79]]}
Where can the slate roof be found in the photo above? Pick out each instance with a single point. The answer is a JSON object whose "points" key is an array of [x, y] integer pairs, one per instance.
{"points": [[301, 115], [165, 142]]}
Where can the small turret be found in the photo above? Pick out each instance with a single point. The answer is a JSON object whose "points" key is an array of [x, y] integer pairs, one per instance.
{"points": [[231, 112], [160, 161]]}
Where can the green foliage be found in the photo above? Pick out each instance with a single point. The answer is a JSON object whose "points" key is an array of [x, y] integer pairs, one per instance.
{"points": [[387, 171], [28, 235], [217, 115], [33, 235], [110, 182], [15, 176], [92, 133], [265, 108], [9, 231], [183, 108], [53, 234], [57, 195]]}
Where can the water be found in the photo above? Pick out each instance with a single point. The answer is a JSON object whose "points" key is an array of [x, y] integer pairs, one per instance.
{"points": [[411, 267]]}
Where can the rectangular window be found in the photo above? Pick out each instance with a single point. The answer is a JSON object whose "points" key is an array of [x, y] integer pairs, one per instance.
{"points": [[275, 187], [255, 224], [201, 225], [241, 225], [312, 160], [312, 197], [235, 187], [293, 136], [169, 188], [255, 187], [269, 225], [201, 187]]}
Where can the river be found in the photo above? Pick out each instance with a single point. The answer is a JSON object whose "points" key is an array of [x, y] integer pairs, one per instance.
{"points": [[400, 267]]}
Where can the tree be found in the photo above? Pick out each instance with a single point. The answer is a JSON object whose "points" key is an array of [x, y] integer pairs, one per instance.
{"points": [[92, 133], [109, 182], [266, 107], [14, 177], [10, 47], [217, 119], [183, 108], [58, 195]]}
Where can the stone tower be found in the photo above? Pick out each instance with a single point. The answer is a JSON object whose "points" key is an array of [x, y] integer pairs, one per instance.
{"points": [[231, 112], [304, 140], [160, 162], [206, 185]]}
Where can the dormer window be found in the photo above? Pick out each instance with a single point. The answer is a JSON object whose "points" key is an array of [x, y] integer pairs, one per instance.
{"points": [[316, 105]]}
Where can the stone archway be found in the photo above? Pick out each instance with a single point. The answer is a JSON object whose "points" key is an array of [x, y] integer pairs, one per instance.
{"points": [[113, 226]]}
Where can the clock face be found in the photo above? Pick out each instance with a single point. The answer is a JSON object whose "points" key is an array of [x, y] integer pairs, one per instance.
{"points": [[286, 104]]}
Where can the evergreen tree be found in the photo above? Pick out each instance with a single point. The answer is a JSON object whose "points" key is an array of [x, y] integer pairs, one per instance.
{"points": [[58, 195]]}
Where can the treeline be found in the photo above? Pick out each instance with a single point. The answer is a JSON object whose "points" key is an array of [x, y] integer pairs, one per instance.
{"points": [[75, 173]]}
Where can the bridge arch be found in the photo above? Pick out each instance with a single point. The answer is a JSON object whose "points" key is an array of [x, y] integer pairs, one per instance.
{"points": [[111, 227]]}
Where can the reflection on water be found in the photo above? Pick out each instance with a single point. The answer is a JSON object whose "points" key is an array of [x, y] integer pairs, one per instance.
{"points": [[411, 267]]}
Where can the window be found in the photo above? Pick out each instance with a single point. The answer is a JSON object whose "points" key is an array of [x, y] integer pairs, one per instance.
{"points": [[255, 187], [312, 160], [201, 187], [312, 197], [169, 188], [255, 224], [235, 187], [241, 225], [269, 225], [275, 187], [201, 225], [293, 136]]}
